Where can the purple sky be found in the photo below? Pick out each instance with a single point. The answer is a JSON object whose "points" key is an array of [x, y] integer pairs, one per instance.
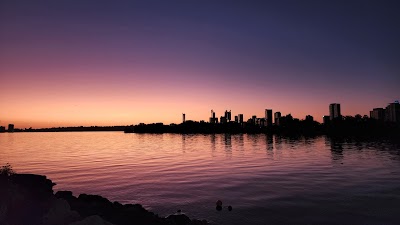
{"points": [[125, 62]]}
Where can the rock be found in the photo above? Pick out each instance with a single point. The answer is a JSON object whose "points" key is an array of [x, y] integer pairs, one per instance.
{"points": [[29, 199], [96, 199], [25, 198], [60, 214], [92, 220], [181, 219], [37, 184], [219, 203], [218, 208], [64, 194], [230, 208]]}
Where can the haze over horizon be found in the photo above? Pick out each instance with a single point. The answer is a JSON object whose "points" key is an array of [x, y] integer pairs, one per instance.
{"points": [[72, 63]]}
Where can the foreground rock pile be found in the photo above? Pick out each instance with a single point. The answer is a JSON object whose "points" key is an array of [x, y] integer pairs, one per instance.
{"points": [[29, 199]]}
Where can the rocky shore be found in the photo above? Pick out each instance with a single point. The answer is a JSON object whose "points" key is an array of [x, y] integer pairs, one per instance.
{"points": [[29, 199]]}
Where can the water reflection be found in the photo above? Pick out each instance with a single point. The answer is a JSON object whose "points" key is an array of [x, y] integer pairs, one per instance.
{"points": [[212, 140], [183, 143], [155, 169], [238, 141], [228, 142], [269, 142], [278, 142]]}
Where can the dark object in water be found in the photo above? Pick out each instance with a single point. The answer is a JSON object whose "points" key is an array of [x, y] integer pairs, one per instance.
{"points": [[218, 208], [230, 208], [219, 203]]}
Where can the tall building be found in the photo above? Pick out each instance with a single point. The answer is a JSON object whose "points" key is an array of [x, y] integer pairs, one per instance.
{"points": [[241, 118], [10, 128], [268, 117], [228, 115], [378, 114], [277, 116], [236, 119], [213, 119], [253, 119], [183, 117], [334, 111], [392, 112]]}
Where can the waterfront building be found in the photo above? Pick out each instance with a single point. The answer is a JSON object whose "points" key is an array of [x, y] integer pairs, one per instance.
{"points": [[183, 117], [236, 119], [378, 114], [241, 118], [2, 129], [213, 119], [261, 122], [334, 111], [277, 116], [268, 117], [253, 119], [392, 112], [223, 119], [10, 128], [228, 115]]}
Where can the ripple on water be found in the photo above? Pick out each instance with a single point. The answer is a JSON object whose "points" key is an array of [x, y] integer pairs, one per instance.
{"points": [[267, 179]]}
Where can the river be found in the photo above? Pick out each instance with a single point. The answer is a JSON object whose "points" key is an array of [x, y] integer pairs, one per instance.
{"points": [[266, 179]]}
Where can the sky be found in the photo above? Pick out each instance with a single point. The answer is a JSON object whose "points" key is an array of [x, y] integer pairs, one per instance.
{"points": [[72, 63]]}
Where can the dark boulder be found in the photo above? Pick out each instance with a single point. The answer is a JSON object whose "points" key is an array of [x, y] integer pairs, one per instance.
{"points": [[181, 219]]}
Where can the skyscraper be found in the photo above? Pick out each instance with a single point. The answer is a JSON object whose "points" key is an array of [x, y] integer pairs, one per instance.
{"points": [[228, 115], [392, 112], [268, 117], [334, 111], [240, 118], [277, 116], [213, 119]]}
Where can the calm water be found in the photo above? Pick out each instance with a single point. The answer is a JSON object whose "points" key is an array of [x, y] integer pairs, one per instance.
{"points": [[267, 179]]}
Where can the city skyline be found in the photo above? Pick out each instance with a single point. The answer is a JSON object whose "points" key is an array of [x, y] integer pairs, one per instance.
{"points": [[100, 63], [391, 114]]}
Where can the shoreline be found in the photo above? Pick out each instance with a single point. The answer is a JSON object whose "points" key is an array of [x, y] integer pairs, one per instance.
{"points": [[30, 199]]}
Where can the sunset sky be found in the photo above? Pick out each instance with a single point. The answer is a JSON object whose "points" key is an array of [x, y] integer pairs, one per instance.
{"points": [[70, 63]]}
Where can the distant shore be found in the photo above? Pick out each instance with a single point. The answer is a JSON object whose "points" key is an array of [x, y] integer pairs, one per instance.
{"points": [[349, 127], [29, 199]]}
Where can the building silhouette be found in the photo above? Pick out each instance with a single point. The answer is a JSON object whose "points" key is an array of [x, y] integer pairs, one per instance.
{"points": [[223, 119], [241, 120], [378, 114], [334, 111], [268, 117], [10, 128], [2, 129], [277, 116], [228, 115], [213, 119], [392, 112], [183, 117], [253, 119]]}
